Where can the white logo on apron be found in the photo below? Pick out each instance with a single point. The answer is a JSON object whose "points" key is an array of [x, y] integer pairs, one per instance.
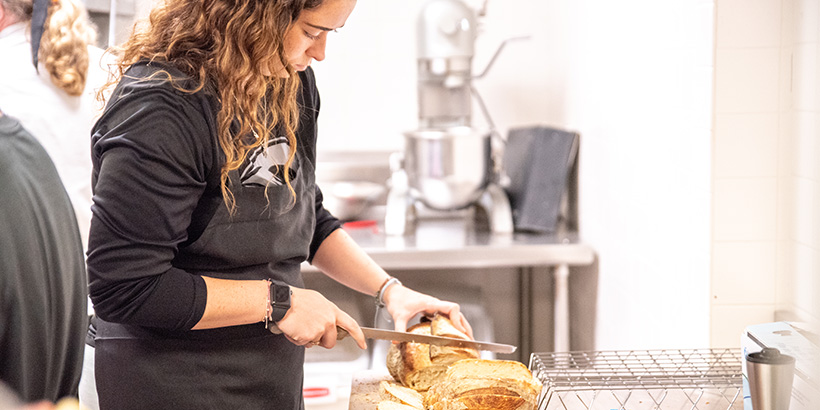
{"points": [[265, 165]]}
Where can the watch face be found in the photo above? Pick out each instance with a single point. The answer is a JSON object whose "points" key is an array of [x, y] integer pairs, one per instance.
{"points": [[281, 296]]}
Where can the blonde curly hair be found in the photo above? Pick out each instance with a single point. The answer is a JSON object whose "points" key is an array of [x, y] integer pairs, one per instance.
{"points": [[64, 45], [224, 42]]}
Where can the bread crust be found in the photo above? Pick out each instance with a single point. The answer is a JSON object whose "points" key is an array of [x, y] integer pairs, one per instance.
{"points": [[485, 384]]}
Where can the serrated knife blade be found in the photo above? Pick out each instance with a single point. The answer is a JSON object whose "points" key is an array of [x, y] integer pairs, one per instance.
{"points": [[383, 334]]}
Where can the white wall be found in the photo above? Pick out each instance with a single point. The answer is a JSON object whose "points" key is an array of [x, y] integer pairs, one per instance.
{"points": [[766, 236], [633, 77], [640, 93], [368, 80]]}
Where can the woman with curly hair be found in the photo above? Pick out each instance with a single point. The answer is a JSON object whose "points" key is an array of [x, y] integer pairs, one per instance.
{"points": [[54, 98], [205, 206]]}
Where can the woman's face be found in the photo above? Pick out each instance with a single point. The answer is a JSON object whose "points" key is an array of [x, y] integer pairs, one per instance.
{"points": [[305, 41]]}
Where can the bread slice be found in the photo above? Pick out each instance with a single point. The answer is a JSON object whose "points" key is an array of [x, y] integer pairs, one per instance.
{"points": [[442, 326], [410, 363], [391, 405], [397, 393], [446, 355]]}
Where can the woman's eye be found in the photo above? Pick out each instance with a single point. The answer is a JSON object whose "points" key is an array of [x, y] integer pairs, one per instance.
{"points": [[311, 36]]}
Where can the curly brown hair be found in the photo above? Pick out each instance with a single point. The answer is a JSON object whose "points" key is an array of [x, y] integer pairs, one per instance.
{"points": [[64, 45], [225, 42]]}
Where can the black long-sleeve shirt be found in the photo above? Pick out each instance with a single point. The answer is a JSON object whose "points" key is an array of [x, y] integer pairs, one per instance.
{"points": [[160, 222]]}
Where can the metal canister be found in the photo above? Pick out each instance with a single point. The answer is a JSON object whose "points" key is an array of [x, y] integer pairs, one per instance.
{"points": [[770, 379]]}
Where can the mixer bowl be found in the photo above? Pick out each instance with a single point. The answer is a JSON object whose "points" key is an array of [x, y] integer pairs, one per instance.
{"points": [[447, 169]]}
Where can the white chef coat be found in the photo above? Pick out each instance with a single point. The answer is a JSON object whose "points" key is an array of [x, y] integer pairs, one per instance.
{"points": [[62, 123]]}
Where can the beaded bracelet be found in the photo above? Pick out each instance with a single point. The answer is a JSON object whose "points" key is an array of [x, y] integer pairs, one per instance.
{"points": [[268, 307]]}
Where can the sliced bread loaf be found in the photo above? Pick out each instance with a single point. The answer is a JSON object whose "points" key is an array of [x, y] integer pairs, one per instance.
{"points": [[418, 365]]}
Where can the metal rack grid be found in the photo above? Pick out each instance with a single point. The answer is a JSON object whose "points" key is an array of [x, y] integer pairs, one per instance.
{"points": [[697, 379]]}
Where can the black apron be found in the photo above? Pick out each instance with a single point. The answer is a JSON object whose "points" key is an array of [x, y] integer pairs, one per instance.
{"points": [[221, 371]]}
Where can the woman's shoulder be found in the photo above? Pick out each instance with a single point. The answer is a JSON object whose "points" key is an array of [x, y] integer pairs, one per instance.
{"points": [[159, 84], [153, 75], [158, 95]]}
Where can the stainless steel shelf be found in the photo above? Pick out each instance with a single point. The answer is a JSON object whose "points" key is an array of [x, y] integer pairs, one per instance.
{"points": [[452, 243]]}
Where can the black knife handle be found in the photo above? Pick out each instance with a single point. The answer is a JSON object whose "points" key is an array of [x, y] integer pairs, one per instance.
{"points": [[341, 333]]}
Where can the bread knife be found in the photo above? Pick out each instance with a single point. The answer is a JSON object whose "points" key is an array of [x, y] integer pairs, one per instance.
{"points": [[383, 334]]}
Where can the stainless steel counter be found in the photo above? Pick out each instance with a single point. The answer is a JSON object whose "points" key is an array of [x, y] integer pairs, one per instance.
{"points": [[449, 244]]}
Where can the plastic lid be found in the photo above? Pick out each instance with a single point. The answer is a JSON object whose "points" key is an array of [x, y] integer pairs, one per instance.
{"points": [[769, 355]]}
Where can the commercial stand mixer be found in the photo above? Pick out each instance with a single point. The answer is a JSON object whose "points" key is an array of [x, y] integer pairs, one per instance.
{"points": [[448, 166]]}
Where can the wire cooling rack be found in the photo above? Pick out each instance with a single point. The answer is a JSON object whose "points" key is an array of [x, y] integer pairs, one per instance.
{"points": [[700, 379]]}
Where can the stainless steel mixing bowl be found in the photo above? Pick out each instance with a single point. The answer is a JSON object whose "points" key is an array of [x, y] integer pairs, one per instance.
{"points": [[448, 169]]}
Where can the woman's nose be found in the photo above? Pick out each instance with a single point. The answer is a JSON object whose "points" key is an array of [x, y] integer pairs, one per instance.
{"points": [[317, 49]]}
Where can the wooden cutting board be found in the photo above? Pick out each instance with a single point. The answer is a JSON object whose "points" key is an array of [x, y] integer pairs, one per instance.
{"points": [[364, 390]]}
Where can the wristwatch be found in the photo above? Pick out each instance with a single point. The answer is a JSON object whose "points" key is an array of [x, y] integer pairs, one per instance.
{"points": [[279, 296]]}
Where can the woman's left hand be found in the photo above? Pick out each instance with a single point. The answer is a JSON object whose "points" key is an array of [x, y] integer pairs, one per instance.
{"points": [[403, 303]]}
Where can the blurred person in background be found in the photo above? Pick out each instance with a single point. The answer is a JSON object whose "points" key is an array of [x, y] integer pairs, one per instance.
{"points": [[43, 296], [49, 76]]}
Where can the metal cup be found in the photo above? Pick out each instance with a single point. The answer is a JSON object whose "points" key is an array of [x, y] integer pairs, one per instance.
{"points": [[770, 379]]}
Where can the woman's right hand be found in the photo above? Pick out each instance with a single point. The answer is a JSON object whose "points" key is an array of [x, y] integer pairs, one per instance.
{"points": [[312, 320]]}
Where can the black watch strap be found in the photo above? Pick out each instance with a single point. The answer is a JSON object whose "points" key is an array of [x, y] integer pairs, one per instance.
{"points": [[279, 301]]}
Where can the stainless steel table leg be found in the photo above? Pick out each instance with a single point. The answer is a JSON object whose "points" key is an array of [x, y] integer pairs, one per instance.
{"points": [[525, 309], [561, 334]]}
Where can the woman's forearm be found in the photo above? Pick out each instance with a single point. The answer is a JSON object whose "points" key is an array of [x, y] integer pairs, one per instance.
{"points": [[233, 302], [340, 258]]}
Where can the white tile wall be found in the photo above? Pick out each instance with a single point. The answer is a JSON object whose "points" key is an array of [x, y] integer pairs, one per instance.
{"points": [[746, 79], [783, 129], [805, 211], [728, 322], [807, 20], [747, 145], [744, 272], [745, 209], [745, 23], [805, 78], [815, 240], [805, 144], [784, 280], [805, 277]]}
